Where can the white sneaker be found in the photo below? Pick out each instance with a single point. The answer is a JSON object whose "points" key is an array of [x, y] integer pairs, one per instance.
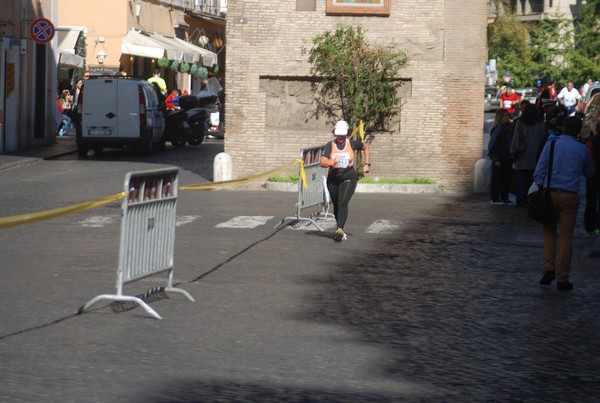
{"points": [[340, 235]]}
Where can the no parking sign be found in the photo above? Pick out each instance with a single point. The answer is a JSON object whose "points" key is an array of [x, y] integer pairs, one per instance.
{"points": [[42, 30]]}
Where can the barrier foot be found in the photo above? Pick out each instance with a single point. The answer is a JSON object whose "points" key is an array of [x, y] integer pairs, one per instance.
{"points": [[119, 298], [180, 291], [299, 219], [323, 215]]}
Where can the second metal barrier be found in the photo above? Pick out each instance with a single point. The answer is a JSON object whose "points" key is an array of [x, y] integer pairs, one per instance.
{"points": [[315, 193], [147, 234]]}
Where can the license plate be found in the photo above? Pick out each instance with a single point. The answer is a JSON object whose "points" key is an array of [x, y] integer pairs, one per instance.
{"points": [[214, 118], [100, 132]]}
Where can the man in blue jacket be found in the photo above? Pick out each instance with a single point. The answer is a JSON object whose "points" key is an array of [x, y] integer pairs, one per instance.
{"points": [[571, 161]]}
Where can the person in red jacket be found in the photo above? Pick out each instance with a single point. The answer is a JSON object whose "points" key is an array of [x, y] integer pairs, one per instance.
{"points": [[172, 100], [508, 100]]}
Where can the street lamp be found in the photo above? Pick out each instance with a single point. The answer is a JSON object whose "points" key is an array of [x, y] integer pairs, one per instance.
{"points": [[101, 56]]}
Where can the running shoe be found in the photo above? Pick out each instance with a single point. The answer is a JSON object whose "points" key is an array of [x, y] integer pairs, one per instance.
{"points": [[340, 235]]}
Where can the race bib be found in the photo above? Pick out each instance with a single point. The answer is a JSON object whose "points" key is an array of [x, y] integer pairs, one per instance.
{"points": [[342, 160]]}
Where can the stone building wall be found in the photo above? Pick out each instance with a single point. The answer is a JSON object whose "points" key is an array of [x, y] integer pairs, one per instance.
{"points": [[439, 132]]}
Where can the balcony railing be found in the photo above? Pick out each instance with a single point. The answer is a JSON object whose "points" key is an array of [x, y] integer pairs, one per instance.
{"points": [[217, 8]]}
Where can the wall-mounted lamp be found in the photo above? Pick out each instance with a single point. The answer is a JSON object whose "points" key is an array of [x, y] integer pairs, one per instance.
{"points": [[101, 56], [138, 8]]}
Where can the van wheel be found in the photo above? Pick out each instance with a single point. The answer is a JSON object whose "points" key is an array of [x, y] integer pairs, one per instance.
{"points": [[148, 147], [82, 150], [162, 145]]}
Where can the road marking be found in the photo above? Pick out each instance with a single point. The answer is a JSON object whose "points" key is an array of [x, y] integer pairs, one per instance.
{"points": [[382, 227], [98, 221], [186, 219], [245, 221]]}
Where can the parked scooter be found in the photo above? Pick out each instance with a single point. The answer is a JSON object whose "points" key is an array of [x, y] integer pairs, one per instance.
{"points": [[198, 109], [177, 128]]}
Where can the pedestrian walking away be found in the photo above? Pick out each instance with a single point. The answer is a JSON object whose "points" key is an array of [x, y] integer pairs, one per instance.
{"points": [[499, 153], [339, 156], [527, 138], [591, 216], [571, 161]]}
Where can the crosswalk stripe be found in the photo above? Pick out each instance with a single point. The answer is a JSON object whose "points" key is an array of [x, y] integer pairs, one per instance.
{"points": [[245, 221], [186, 219], [97, 221], [327, 224], [382, 227]]}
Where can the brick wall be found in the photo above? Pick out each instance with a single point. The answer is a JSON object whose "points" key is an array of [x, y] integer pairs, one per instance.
{"points": [[439, 132]]}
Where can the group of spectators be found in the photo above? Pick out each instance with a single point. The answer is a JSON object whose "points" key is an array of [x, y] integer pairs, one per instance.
{"points": [[65, 106], [519, 148]]}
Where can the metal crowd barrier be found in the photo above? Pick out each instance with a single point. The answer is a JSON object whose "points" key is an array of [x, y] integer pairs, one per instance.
{"points": [[315, 193], [147, 234]]}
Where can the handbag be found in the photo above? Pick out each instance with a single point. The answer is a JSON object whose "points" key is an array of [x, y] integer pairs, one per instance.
{"points": [[539, 202]]}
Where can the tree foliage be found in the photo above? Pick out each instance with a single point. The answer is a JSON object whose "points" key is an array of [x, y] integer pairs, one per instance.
{"points": [[355, 79], [555, 49]]}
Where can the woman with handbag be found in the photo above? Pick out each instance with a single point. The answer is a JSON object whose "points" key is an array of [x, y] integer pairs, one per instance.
{"points": [[499, 153], [570, 161], [527, 139]]}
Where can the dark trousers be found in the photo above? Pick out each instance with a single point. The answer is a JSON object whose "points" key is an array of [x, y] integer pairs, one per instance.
{"points": [[591, 215], [524, 181], [340, 196], [501, 176]]}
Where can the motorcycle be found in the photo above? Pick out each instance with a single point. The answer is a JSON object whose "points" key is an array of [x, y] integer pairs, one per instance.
{"points": [[177, 129], [199, 109]]}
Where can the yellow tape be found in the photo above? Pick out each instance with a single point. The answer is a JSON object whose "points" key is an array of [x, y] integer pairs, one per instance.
{"points": [[14, 221], [237, 182], [360, 130], [303, 173]]}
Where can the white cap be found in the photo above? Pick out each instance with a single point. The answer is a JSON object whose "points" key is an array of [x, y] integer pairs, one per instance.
{"points": [[341, 128]]}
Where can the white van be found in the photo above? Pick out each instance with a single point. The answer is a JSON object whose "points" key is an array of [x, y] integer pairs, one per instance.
{"points": [[118, 111]]}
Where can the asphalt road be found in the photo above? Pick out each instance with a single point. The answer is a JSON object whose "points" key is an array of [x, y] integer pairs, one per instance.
{"points": [[434, 297]]}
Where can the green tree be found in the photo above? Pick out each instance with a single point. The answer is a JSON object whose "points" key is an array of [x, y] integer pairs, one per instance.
{"points": [[551, 42], [508, 43], [557, 49], [355, 79], [584, 59]]}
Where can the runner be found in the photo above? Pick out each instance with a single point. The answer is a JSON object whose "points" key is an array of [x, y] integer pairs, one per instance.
{"points": [[339, 155]]}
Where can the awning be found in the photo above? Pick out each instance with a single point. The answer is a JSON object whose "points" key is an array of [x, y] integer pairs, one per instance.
{"points": [[67, 41], [209, 58], [69, 59], [174, 49], [67, 38], [137, 44], [153, 45]]}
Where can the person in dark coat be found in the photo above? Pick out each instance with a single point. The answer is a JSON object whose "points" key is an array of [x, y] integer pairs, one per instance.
{"points": [[499, 153]]}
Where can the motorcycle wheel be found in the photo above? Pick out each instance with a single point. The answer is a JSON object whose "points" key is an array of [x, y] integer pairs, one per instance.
{"points": [[198, 136], [179, 142]]}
